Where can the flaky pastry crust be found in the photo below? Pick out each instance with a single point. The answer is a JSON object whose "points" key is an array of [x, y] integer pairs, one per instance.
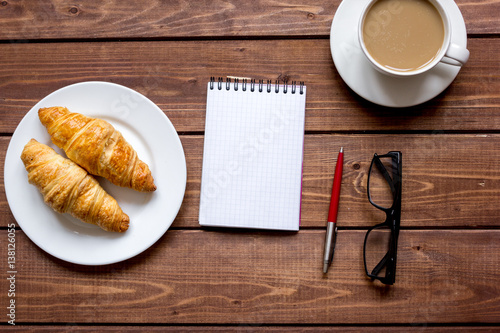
{"points": [[68, 188], [98, 147]]}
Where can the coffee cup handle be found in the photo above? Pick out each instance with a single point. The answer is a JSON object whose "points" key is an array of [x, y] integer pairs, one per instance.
{"points": [[456, 55]]}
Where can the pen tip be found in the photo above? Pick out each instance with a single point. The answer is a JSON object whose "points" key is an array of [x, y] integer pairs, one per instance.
{"points": [[341, 149], [325, 268]]}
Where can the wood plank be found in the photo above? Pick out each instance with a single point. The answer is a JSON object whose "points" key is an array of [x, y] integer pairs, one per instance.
{"points": [[33, 20], [174, 76], [265, 278], [449, 180], [250, 328]]}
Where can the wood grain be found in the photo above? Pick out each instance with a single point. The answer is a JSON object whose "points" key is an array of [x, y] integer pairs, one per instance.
{"points": [[33, 20], [226, 280], [260, 278], [174, 76], [253, 328], [448, 180]]}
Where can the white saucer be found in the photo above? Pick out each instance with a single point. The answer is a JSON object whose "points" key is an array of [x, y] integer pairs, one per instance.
{"points": [[146, 127], [379, 88]]}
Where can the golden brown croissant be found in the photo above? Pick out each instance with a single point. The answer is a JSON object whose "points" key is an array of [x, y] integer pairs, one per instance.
{"points": [[68, 188], [98, 147]]}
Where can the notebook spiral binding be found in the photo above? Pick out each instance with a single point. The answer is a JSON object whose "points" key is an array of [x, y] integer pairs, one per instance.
{"points": [[220, 84]]}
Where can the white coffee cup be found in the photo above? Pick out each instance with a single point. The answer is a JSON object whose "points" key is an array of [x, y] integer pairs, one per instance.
{"points": [[449, 53]]}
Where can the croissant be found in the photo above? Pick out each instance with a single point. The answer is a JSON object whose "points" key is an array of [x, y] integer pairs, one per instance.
{"points": [[98, 147], [68, 188]]}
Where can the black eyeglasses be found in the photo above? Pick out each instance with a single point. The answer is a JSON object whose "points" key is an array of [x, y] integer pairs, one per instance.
{"points": [[381, 240]]}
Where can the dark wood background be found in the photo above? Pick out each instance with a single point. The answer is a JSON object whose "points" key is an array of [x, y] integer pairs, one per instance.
{"points": [[232, 280]]}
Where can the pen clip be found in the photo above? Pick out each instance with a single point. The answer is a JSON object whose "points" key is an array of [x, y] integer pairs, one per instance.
{"points": [[332, 244]]}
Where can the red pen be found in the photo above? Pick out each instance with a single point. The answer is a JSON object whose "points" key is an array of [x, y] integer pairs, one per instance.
{"points": [[331, 226]]}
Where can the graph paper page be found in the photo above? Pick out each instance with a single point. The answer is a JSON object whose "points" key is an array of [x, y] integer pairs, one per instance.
{"points": [[252, 159]]}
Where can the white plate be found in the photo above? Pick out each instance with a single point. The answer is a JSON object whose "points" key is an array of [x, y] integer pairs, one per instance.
{"points": [[148, 130], [379, 88]]}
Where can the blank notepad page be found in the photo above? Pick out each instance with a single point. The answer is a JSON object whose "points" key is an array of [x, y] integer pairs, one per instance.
{"points": [[252, 158]]}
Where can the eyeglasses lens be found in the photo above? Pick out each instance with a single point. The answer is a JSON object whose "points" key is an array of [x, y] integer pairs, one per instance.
{"points": [[376, 248], [380, 188]]}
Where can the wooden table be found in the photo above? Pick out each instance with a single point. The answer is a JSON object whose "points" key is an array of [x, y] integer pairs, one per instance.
{"points": [[231, 280]]}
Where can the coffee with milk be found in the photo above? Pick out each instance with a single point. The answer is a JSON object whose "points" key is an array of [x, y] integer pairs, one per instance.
{"points": [[403, 35]]}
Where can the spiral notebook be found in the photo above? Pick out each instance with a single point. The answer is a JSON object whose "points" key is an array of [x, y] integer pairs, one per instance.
{"points": [[253, 153]]}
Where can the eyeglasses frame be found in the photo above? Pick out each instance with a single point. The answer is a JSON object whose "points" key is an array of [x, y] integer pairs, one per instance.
{"points": [[393, 217]]}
